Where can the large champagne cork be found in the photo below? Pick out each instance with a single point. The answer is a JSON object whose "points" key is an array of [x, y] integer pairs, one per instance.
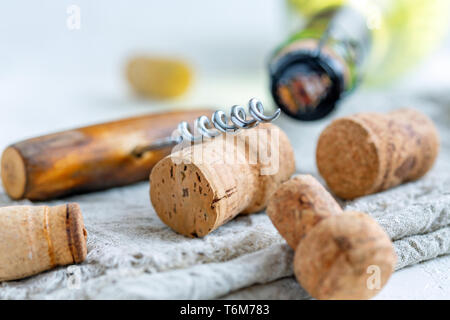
{"points": [[370, 152], [38, 238], [195, 194]]}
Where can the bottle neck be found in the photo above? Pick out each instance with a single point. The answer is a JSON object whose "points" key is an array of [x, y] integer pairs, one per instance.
{"points": [[320, 64]]}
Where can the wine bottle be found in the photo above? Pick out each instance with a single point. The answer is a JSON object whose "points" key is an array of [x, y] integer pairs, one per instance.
{"points": [[344, 42]]}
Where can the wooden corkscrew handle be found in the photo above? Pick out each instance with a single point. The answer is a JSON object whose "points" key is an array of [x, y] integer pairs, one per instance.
{"points": [[89, 158]]}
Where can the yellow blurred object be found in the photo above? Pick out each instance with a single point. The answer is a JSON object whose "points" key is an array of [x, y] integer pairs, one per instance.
{"points": [[158, 78], [309, 8]]}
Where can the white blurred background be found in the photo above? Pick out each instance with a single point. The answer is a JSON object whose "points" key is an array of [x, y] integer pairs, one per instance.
{"points": [[53, 78], [212, 34]]}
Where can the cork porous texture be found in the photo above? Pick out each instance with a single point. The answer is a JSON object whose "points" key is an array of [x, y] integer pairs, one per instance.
{"points": [[338, 257], [298, 205], [234, 174], [371, 152]]}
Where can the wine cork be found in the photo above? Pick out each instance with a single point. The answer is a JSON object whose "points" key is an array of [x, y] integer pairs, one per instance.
{"points": [[195, 195], [371, 152], [298, 205], [38, 238]]}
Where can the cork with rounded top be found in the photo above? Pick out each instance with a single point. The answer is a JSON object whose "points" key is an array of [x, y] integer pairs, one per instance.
{"points": [[298, 205], [347, 256], [371, 152], [38, 238], [199, 188]]}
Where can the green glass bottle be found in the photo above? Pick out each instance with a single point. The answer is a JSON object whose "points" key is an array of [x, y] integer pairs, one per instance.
{"points": [[343, 42]]}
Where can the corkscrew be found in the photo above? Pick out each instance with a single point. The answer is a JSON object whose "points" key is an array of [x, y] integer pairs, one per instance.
{"points": [[219, 123]]}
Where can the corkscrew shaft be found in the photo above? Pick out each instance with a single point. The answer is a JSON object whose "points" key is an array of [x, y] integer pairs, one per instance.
{"points": [[219, 123], [158, 144]]}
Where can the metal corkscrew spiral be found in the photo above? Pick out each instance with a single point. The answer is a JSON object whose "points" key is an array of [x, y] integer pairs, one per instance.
{"points": [[219, 123]]}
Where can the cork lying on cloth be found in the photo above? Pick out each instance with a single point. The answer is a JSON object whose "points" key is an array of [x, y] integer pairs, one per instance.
{"points": [[132, 254]]}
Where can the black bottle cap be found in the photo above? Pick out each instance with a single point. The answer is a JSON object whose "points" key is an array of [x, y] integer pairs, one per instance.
{"points": [[306, 85]]}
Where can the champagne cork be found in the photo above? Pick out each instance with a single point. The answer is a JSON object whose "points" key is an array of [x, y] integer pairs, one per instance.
{"points": [[336, 252], [236, 174], [298, 205], [38, 238], [346, 256], [371, 152]]}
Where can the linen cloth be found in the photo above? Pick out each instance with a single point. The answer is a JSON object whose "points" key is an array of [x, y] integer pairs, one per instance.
{"points": [[133, 255]]}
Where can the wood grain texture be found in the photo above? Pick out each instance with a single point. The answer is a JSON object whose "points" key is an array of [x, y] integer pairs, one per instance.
{"points": [[89, 158]]}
